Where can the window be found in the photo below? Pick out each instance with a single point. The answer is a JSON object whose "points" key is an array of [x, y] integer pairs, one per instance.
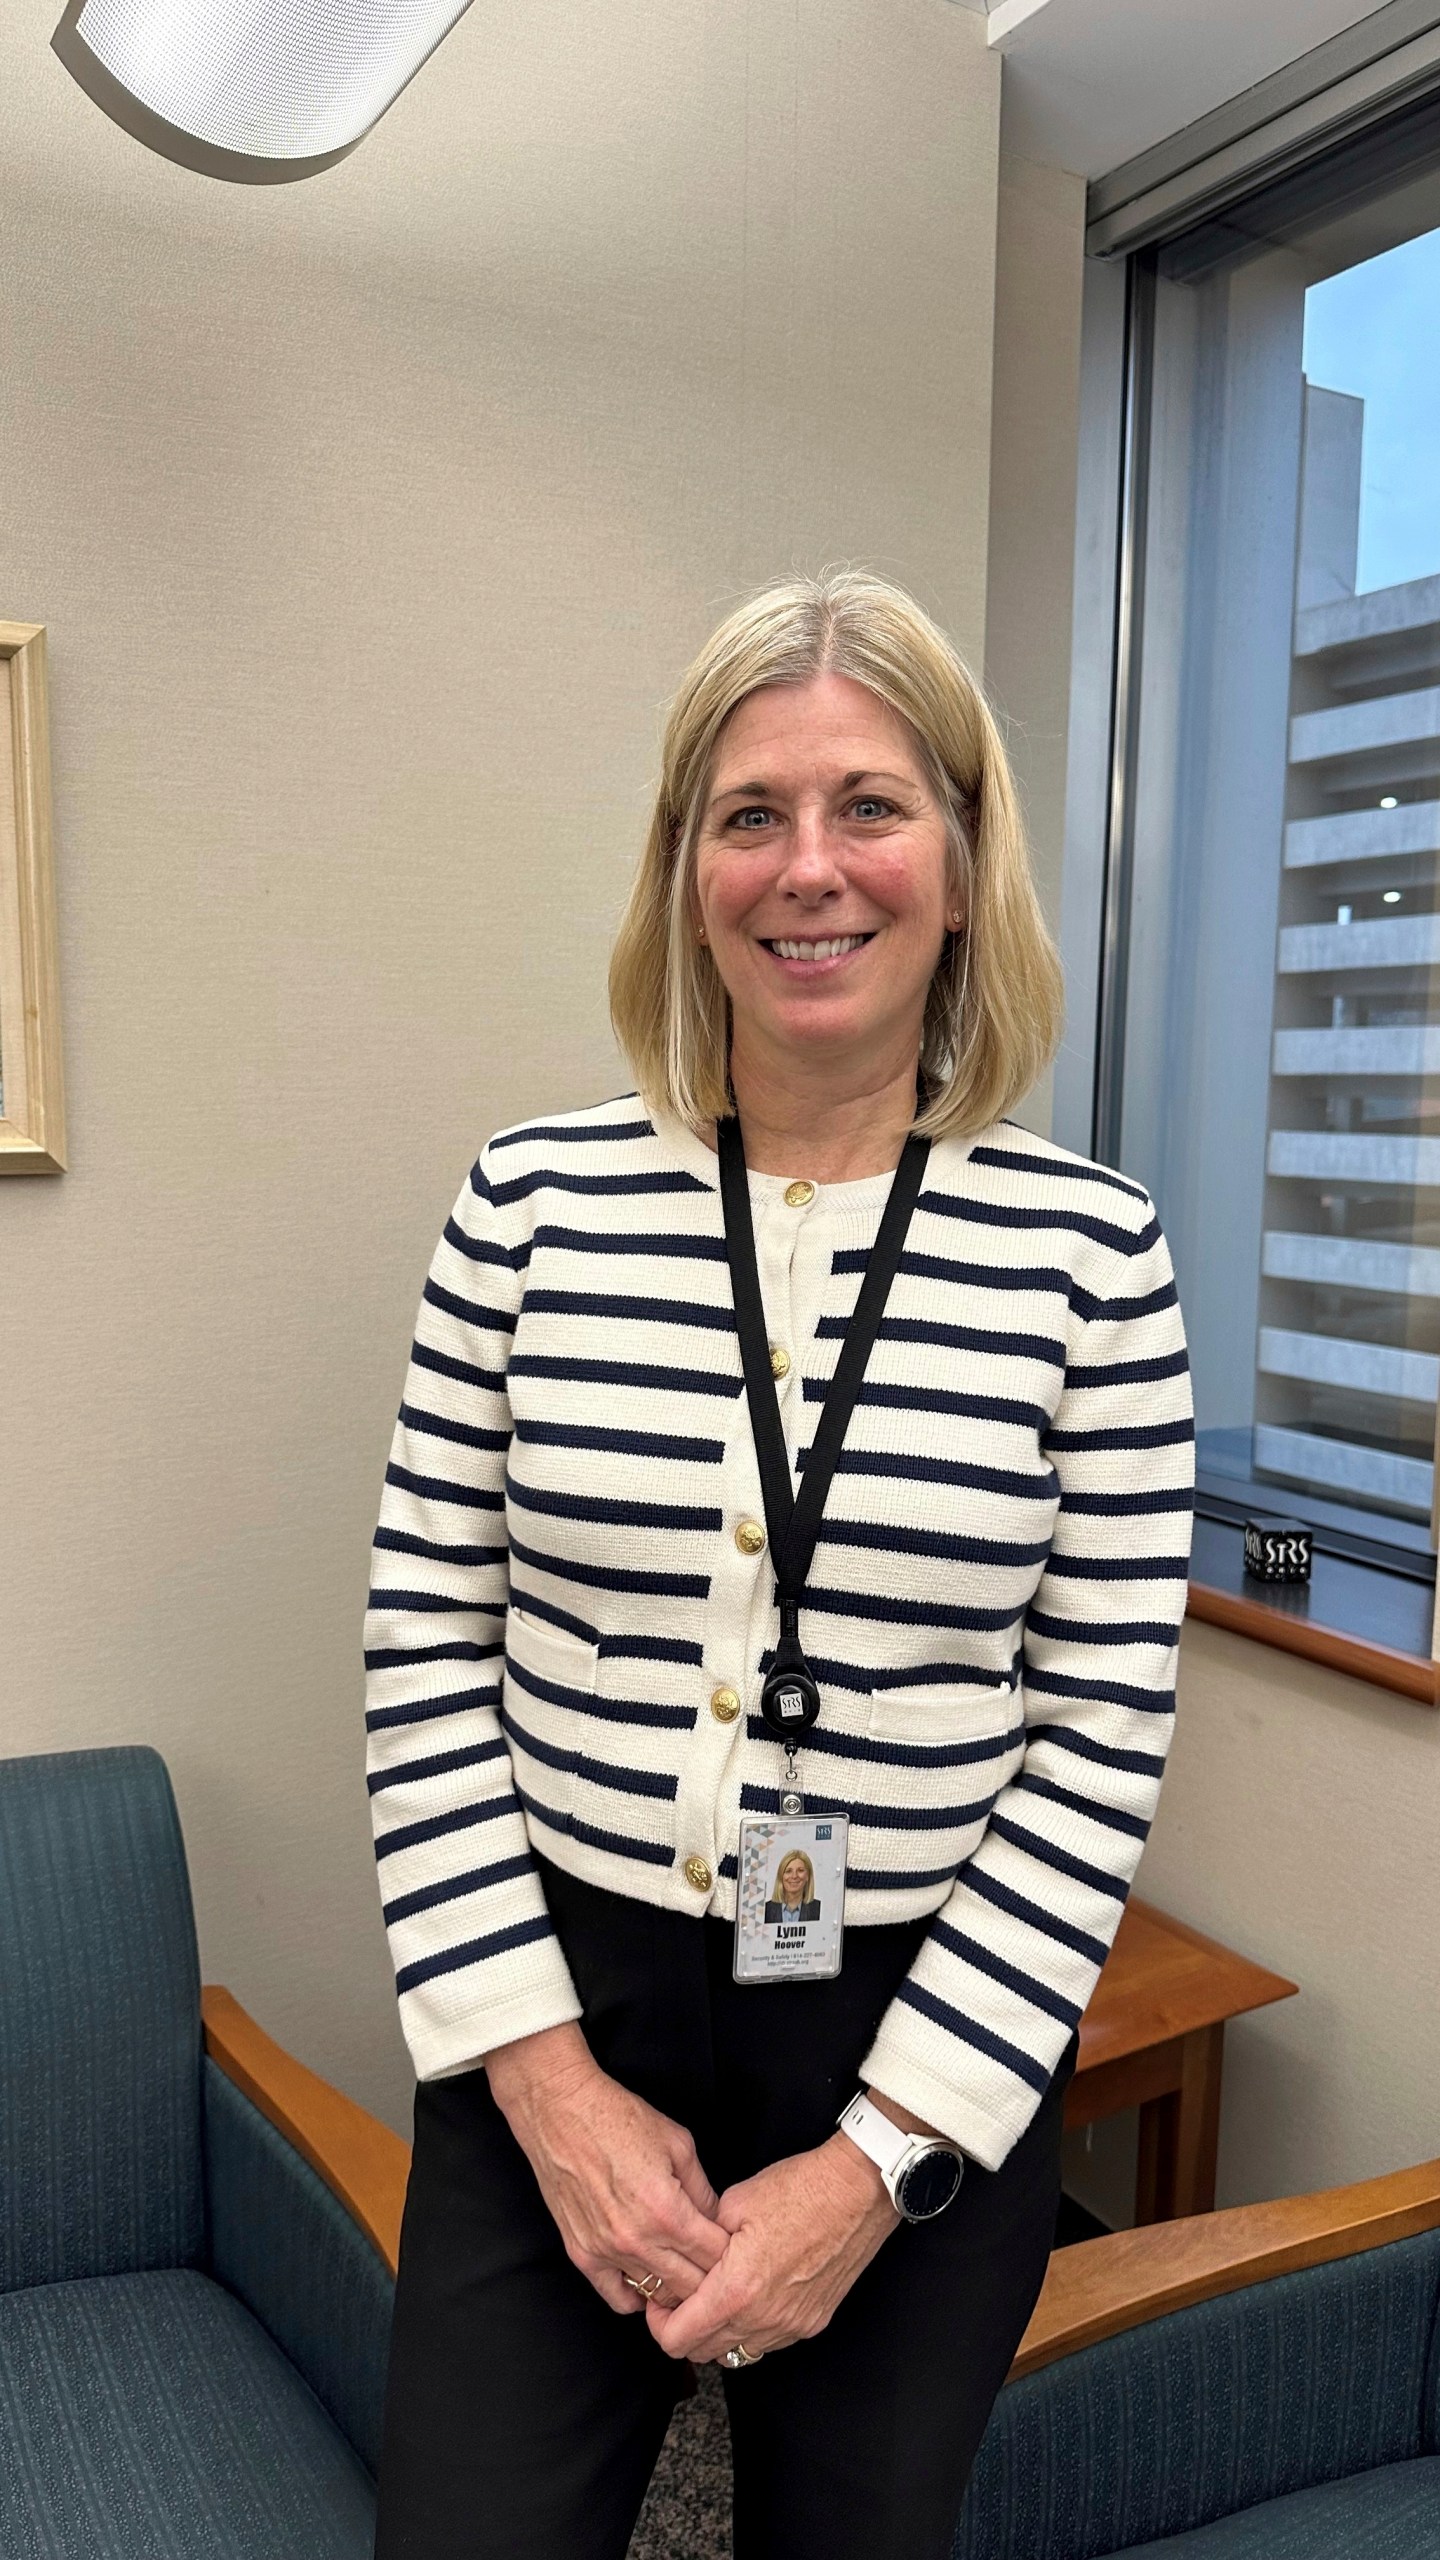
{"points": [[1269, 1054]]}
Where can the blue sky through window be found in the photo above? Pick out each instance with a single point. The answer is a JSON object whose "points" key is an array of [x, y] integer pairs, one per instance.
{"points": [[1374, 331]]}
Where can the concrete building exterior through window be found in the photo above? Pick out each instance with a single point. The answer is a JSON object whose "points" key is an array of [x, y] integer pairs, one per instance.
{"points": [[1347, 1367]]}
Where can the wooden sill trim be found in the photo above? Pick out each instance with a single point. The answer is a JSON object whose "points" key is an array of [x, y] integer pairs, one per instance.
{"points": [[361, 2160], [1097, 2288], [1408, 1673]]}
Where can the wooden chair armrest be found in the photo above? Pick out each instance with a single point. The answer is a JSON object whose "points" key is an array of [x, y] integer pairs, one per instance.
{"points": [[360, 2159], [1097, 2288]]}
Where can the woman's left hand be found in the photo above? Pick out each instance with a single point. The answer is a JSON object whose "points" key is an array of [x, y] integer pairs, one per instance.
{"points": [[800, 2234]]}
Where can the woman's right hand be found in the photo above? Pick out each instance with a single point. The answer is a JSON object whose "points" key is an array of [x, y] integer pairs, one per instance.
{"points": [[624, 2183]]}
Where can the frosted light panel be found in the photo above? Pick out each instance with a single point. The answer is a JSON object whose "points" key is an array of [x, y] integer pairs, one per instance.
{"points": [[266, 79]]}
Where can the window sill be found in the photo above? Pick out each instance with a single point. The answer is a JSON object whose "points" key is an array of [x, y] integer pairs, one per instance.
{"points": [[1353, 1617]]}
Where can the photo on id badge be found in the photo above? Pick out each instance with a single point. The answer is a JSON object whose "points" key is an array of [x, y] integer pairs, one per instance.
{"points": [[790, 1898]]}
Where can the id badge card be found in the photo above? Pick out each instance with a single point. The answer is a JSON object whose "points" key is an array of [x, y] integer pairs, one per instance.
{"points": [[790, 1898]]}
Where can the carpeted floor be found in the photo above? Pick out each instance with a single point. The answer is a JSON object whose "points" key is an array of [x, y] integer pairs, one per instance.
{"points": [[687, 2513]]}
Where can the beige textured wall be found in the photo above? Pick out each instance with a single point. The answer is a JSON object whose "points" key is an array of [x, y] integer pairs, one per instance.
{"points": [[1034, 436], [1298, 1821], [371, 520]]}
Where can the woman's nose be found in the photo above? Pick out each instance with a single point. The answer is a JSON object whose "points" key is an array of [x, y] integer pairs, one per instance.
{"points": [[813, 854]]}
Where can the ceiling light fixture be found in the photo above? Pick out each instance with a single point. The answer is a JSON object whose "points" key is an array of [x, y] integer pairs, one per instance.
{"points": [[257, 90]]}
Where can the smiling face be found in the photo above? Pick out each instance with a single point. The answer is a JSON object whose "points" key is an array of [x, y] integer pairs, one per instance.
{"points": [[821, 874], [793, 1880]]}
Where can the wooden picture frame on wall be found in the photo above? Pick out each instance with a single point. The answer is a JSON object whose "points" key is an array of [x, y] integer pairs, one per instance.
{"points": [[32, 1092]]}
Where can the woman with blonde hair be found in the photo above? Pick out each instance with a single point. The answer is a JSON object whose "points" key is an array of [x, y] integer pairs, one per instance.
{"points": [[794, 1897], [796, 1452]]}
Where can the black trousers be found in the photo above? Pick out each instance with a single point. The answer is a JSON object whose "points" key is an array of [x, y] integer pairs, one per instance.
{"points": [[524, 2417]]}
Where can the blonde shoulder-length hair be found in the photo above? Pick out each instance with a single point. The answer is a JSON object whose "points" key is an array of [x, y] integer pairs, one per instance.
{"points": [[994, 1011]]}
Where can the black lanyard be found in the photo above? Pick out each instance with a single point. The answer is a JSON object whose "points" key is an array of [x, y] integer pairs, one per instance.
{"points": [[790, 1700]]}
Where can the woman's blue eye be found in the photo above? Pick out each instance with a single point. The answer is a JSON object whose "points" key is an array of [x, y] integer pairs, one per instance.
{"points": [[755, 820]]}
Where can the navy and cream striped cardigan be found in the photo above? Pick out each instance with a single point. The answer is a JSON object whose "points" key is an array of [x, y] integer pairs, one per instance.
{"points": [[568, 1627]]}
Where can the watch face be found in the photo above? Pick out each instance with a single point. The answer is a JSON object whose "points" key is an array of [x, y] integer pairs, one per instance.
{"points": [[928, 2184]]}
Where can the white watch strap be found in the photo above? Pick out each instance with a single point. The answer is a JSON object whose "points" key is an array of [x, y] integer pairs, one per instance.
{"points": [[876, 2134]]}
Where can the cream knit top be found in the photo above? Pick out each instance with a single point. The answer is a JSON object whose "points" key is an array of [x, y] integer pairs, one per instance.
{"points": [[573, 1606]]}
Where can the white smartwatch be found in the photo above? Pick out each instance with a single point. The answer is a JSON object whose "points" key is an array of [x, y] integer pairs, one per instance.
{"points": [[922, 2174]]}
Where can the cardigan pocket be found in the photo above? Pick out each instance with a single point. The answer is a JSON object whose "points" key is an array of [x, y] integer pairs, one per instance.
{"points": [[549, 1673], [945, 1712], [918, 1770], [952, 1747]]}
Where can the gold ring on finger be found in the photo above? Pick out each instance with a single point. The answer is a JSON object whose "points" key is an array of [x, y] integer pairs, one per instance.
{"points": [[649, 2286], [739, 2355]]}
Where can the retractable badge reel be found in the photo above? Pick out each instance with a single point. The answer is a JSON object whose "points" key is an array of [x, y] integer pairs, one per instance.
{"points": [[790, 1702]]}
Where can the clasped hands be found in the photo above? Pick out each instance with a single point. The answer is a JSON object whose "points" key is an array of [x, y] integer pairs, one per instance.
{"points": [[766, 2263]]}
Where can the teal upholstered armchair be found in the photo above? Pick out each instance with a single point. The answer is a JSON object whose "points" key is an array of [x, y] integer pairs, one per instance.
{"points": [[193, 2321], [1258, 2384]]}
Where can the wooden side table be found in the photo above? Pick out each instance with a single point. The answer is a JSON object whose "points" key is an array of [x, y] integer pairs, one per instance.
{"points": [[1153, 2037]]}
